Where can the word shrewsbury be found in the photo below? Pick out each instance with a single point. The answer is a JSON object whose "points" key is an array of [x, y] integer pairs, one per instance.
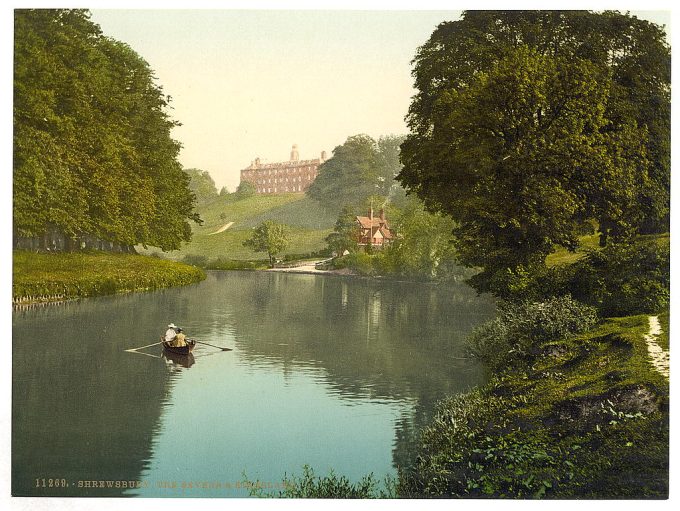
{"points": [[113, 484]]}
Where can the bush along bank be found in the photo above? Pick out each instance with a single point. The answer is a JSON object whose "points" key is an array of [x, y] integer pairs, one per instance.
{"points": [[572, 412], [44, 277]]}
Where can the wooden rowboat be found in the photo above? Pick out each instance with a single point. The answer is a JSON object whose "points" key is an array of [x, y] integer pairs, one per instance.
{"points": [[180, 350], [182, 360]]}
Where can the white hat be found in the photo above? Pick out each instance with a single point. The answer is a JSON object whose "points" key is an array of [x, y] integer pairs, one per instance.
{"points": [[172, 325]]}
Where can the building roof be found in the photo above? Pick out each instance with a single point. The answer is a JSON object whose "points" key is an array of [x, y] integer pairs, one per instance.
{"points": [[386, 233], [366, 222]]}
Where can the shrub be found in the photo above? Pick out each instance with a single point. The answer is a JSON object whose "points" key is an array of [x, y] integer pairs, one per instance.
{"points": [[519, 329], [361, 262], [195, 260], [467, 450], [619, 280], [235, 264], [623, 280], [331, 486]]}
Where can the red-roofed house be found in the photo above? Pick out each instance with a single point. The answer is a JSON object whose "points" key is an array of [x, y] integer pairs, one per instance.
{"points": [[374, 231]]}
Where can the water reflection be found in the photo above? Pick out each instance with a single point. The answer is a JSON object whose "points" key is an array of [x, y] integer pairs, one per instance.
{"points": [[83, 408], [185, 361], [334, 372]]}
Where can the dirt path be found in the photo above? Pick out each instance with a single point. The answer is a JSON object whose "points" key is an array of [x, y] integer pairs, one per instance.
{"points": [[660, 358], [222, 229]]}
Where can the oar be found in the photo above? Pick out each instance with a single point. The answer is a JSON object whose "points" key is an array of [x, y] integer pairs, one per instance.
{"points": [[218, 347], [147, 346]]}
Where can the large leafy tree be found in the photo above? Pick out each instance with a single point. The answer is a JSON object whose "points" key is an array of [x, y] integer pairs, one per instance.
{"points": [[270, 237], [422, 248], [345, 234], [388, 163], [359, 169], [526, 123], [93, 153], [349, 176]]}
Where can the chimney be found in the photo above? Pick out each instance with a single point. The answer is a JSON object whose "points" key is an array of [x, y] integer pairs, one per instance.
{"points": [[294, 154], [323, 156], [382, 214]]}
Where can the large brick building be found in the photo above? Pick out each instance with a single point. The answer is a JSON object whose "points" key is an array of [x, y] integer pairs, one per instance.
{"points": [[289, 176]]}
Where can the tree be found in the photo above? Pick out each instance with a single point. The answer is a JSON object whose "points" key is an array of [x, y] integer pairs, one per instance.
{"points": [[389, 165], [523, 127], [270, 237], [246, 189], [202, 185], [359, 168], [422, 247], [345, 234], [349, 176], [93, 155]]}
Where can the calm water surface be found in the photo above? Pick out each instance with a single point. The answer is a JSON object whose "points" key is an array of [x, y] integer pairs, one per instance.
{"points": [[327, 371]]}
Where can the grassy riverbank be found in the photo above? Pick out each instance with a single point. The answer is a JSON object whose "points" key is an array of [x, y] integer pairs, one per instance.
{"points": [[59, 276], [585, 417]]}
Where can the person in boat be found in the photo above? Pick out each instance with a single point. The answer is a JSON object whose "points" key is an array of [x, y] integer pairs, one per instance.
{"points": [[180, 339], [170, 333]]}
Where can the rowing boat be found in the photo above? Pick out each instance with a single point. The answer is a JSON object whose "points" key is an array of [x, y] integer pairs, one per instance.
{"points": [[180, 350]]}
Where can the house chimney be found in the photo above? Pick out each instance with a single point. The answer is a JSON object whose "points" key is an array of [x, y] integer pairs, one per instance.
{"points": [[382, 214]]}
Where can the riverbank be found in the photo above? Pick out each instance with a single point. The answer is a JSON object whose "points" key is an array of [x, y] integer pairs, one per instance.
{"points": [[48, 277], [583, 418]]}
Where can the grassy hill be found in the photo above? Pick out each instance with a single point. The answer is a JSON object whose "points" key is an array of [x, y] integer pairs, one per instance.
{"points": [[309, 224]]}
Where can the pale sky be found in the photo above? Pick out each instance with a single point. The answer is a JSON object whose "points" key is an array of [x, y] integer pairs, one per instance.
{"points": [[252, 83]]}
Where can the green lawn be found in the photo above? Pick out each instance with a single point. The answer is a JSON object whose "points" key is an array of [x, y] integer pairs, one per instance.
{"points": [[563, 256], [44, 277], [592, 242], [229, 245], [308, 223]]}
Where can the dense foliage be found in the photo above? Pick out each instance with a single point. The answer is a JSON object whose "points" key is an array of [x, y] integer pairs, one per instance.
{"points": [[202, 185], [420, 250], [422, 247], [59, 276], [360, 168], [92, 148], [527, 123], [620, 279], [623, 279], [519, 328], [345, 234]]}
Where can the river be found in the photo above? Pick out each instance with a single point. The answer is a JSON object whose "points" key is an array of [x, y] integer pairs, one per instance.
{"points": [[333, 372]]}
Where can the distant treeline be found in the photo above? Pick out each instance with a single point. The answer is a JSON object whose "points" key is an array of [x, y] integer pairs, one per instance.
{"points": [[93, 156]]}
